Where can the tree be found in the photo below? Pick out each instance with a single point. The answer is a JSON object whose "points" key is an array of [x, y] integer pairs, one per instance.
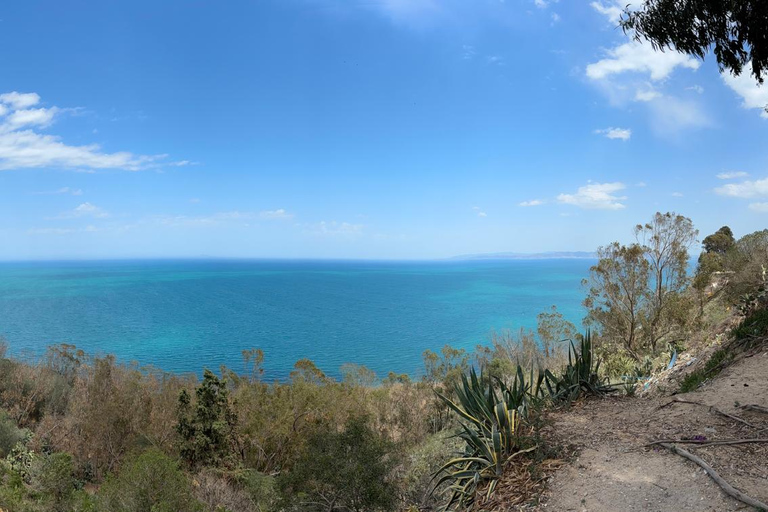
{"points": [[719, 242], [735, 30], [207, 433], [342, 471], [715, 246], [618, 293], [552, 329], [666, 240]]}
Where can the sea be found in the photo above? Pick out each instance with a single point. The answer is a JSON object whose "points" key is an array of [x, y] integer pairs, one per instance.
{"points": [[184, 316]]}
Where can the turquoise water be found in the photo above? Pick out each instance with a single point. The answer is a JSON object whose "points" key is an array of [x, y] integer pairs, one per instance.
{"points": [[182, 316]]}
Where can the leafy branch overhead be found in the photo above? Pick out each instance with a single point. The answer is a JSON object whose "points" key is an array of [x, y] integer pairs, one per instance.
{"points": [[735, 30]]}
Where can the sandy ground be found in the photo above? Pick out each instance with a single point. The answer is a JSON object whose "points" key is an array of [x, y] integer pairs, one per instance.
{"points": [[612, 470]]}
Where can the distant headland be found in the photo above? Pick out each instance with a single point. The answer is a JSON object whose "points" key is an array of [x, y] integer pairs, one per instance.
{"points": [[528, 256]]}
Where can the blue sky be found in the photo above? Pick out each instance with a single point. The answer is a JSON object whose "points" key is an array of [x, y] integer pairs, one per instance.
{"points": [[358, 129]]}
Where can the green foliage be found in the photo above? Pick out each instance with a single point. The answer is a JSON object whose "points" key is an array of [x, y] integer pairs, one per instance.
{"points": [[747, 263], [447, 367], [717, 361], [719, 242], [53, 476], [580, 376], [150, 482], [733, 29], [489, 414], [636, 296], [345, 470], [10, 434], [753, 326], [207, 433]]}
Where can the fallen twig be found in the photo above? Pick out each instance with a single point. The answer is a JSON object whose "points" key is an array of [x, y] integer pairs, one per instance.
{"points": [[725, 486], [711, 408], [756, 408], [702, 442]]}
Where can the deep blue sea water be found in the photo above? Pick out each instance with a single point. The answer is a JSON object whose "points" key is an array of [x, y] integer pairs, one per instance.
{"points": [[181, 316]]}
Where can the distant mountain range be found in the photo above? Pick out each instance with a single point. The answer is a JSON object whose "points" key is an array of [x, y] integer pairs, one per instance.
{"points": [[528, 256]]}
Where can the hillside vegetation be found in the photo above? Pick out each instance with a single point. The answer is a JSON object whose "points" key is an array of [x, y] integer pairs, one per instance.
{"points": [[87, 433]]}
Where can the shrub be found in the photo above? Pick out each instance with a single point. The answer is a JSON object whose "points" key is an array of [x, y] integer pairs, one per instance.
{"points": [[53, 476], [10, 434], [150, 482], [342, 470]]}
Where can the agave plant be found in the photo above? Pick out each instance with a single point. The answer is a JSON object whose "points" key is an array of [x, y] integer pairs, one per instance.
{"points": [[579, 376], [489, 429]]}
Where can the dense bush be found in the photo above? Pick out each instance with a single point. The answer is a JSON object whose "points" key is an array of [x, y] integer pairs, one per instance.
{"points": [[346, 470], [150, 482]]}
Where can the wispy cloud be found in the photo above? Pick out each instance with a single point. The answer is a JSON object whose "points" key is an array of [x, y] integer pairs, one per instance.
{"points": [[677, 194], [633, 72], [596, 196], [532, 202], [615, 133], [612, 11], [22, 146], [759, 207], [479, 211], [62, 191], [635, 57], [279, 214], [85, 210], [732, 175], [745, 189], [753, 95], [334, 228]]}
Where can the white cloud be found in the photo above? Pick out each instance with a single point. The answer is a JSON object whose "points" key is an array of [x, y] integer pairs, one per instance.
{"points": [[732, 175], [85, 210], [752, 94], [409, 12], [555, 18], [647, 95], [677, 194], [541, 4], [63, 231], [279, 214], [759, 207], [641, 184], [334, 228], [468, 52], [745, 189], [640, 58], [22, 146], [695, 88], [616, 133], [610, 11], [532, 202], [479, 211], [596, 196], [495, 59], [41, 117], [670, 115], [18, 100], [63, 190]]}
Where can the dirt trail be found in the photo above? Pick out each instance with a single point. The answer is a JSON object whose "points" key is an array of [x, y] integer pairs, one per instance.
{"points": [[613, 471]]}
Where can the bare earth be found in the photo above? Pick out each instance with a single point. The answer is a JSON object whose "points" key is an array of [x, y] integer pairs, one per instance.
{"points": [[613, 471]]}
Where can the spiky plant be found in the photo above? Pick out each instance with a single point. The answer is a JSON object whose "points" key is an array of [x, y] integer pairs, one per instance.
{"points": [[489, 428], [581, 375]]}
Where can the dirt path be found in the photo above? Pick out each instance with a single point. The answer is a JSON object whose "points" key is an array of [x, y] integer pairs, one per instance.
{"points": [[613, 471]]}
